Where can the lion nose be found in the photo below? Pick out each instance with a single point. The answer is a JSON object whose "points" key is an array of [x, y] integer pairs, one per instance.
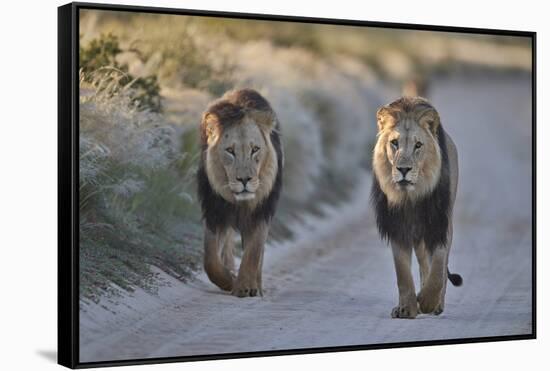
{"points": [[244, 180], [404, 170]]}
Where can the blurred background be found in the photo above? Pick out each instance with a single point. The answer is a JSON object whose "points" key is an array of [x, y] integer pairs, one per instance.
{"points": [[145, 80]]}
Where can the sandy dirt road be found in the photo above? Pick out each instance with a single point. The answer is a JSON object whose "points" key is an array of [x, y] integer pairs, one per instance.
{"points": [[336, 285]]}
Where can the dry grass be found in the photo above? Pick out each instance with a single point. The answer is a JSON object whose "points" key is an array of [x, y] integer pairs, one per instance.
{"points": [[137, 205]]}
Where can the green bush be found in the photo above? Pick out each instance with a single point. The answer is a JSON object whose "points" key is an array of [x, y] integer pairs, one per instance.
{"points": [[100, 54]]}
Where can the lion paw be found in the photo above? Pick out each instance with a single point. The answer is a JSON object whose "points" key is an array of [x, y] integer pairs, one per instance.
{"points": [[404, 311], [429, 303], [243, 290], [439, 309]]}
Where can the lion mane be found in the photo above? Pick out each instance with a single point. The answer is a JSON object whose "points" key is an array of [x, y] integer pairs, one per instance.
{"points": [[218, 212], [426, 218]]}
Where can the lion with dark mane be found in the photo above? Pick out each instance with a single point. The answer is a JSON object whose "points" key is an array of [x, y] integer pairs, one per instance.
{"points": [[415, 165], [239, 183]]}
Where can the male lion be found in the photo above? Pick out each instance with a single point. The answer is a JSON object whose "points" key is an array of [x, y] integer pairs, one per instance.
{"points": [[415, 166], [239, 182]]}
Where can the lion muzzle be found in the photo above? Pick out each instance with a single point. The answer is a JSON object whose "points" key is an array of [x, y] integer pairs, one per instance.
{"points": [[244, 189]]}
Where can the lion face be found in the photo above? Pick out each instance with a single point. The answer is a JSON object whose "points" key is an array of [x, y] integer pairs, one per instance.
{"points": [[242, 150], [241, 162], [408, 147], [407, 158]]}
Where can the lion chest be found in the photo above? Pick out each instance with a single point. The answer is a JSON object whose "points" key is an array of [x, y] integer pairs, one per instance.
{"points": [[425, 220]]}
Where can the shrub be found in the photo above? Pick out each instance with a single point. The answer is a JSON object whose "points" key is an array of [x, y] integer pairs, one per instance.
{"points": [[137, 206], [101, 53]]}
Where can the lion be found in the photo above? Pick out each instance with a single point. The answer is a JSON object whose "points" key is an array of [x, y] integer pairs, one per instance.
{"points": [[415, 165], [239, 182]]}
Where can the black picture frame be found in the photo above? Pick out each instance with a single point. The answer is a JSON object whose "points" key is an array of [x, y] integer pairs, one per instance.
{"points": [[68, 134]]}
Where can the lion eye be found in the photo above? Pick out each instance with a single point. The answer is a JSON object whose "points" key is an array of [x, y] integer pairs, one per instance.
{"points": [[255, 149], [418, 145], [395, 143], [230, 150]]}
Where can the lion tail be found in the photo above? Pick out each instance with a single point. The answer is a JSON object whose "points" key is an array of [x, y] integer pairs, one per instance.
{"points": [[455, 278]]}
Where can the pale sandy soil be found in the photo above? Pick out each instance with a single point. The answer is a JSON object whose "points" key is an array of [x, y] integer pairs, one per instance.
{"points": [[335, 284]]}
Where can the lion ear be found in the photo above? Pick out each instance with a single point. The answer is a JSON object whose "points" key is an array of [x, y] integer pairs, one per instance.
{"points": [[384, 117], [210, 126], [430, 121], [265, 119]]}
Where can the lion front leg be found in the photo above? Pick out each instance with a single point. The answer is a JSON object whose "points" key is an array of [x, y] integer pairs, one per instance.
{"points": [[407, 307], [423, 262], [227, 253], [248, 282], [219, 274], [430, 298]]}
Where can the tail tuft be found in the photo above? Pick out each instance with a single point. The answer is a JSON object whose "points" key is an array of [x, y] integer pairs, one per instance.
{"points": [[455, 278]]}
